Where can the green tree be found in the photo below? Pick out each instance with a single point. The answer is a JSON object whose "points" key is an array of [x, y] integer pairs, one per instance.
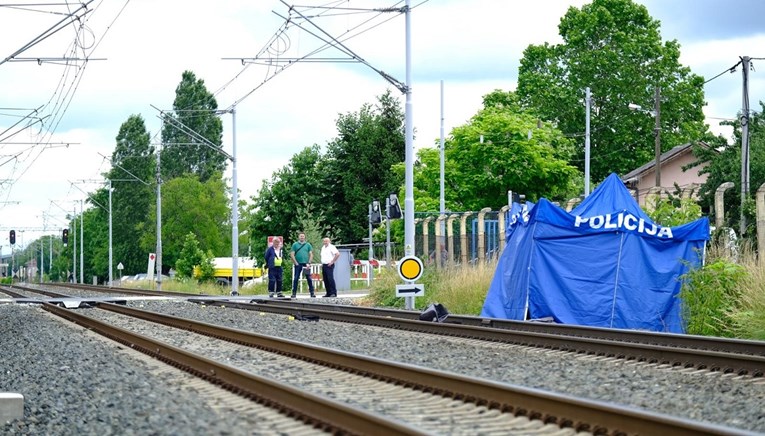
{"points": [[190, 206], [96, 238], [132, 179], [62, 262], [502, 148], [131, 174], [360, 162], [311, 222], [338, 186], [192, 256], [207, 268], [196, 108], [274, 211], [724, 165], [615, 48]]}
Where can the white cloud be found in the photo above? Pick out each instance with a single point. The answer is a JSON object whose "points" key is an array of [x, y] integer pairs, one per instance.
{"points": [[474, 47]]}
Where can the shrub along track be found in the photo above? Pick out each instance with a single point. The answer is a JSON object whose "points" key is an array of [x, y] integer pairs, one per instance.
{"points": [[476, 402]]}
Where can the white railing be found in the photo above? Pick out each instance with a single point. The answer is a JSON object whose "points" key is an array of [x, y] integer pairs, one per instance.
{"points": [[315, 277]]}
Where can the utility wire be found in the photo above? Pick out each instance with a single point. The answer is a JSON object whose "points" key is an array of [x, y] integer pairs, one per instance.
{"points": [[729, 70], [331, 42]]}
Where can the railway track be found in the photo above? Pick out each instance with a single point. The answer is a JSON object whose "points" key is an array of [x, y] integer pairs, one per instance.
{"points": [[726, 356], [718, 356], [414, 395]]}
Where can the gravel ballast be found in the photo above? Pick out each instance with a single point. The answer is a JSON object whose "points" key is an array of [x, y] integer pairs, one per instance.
{"points": [[89, 376], [76, 383]]}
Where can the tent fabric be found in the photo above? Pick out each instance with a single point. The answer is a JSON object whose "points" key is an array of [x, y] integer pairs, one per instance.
{"points": [[517, 212], [604, 264]]}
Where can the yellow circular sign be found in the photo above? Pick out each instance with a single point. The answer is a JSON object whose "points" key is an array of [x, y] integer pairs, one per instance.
{"points": [[410, 268]]}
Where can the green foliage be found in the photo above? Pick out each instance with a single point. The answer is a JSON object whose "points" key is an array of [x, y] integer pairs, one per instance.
{"points": [[96, 242], [613, 47], [359, 163], [310, 223], [502, 148], [517, 153], [188, 205], [191, 255], [709, 298], [132, 175], [274, 211], [724, 165], [339, 185], [183, 154], [674, 211], [207, 268]]}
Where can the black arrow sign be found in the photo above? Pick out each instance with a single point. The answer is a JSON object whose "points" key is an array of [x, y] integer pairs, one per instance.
{"points": [[408, 289]]}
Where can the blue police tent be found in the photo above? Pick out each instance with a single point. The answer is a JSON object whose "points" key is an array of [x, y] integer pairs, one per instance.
{"points": [[604, 264]]}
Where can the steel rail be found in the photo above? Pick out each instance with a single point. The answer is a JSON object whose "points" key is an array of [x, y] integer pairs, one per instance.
{"points": [[566, 411], [725, 362], [726, 345], [322, 412], [129, 291]]}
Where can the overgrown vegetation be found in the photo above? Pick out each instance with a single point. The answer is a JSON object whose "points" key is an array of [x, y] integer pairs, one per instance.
{"points": [[192, 256], [460, 290], [674, 210], [727, 296], [710, 295]]}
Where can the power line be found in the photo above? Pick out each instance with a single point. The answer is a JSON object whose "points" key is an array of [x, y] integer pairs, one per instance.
{"points": [[729, 70]]}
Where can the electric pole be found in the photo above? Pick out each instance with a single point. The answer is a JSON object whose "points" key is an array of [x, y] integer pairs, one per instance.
{"points": [[744, 141], [657, 133], [587, 105]]}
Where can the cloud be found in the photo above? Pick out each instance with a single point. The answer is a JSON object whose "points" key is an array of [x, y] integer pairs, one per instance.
{"points": [[473, 46]]}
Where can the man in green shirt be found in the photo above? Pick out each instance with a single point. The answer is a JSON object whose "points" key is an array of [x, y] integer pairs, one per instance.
{"points": [[302, 256]]}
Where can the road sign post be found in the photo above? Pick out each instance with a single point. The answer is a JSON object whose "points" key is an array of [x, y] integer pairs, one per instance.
{"points": [[150, 269], [410, 269]]}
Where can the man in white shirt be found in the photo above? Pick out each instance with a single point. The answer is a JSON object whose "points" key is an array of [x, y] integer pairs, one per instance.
{"points": [[329, 256]]}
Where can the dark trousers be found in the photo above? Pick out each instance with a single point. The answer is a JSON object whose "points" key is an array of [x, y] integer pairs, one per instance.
{"points": [[328, 273], [275, 276], [297, 270]]}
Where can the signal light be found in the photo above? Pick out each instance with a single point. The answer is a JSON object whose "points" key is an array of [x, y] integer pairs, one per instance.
{"points": [[12, 237], [375, 216], [65, 236], [394, 207]]}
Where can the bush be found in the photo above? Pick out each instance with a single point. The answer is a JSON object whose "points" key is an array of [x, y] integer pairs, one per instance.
{"points": [[675, 211], [710, 295]]}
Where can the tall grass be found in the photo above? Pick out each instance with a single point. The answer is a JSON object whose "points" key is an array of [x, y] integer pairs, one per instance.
{"points": [[461, 289], [727, 296], [749, 312]]}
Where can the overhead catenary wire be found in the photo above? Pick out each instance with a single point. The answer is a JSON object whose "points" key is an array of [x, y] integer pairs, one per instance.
{"points": [[277, 64], [63, 95]]}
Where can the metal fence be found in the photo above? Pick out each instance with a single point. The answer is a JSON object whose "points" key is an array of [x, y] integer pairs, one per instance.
{"points": [[458, 238]]}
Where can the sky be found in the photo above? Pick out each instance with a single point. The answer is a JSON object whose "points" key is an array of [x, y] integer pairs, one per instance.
{"points": [[138, 49]]}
